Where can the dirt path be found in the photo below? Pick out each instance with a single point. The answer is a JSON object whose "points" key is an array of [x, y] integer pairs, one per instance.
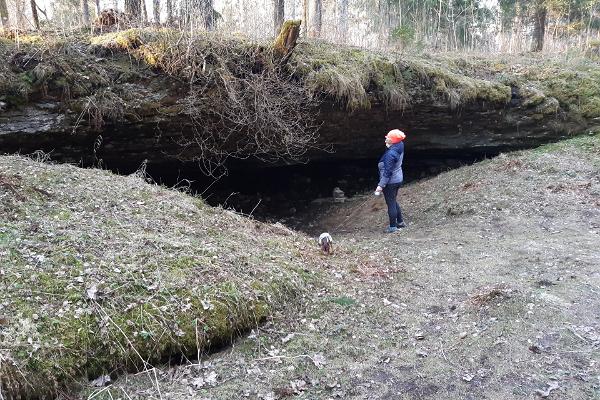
{"points": [[492, 292]]}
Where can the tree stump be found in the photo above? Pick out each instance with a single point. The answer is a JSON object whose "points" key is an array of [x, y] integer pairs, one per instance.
{"points": [[286, 40]]}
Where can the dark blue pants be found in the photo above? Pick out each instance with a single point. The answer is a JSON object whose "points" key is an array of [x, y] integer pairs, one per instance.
{"points": [[390, 192]]}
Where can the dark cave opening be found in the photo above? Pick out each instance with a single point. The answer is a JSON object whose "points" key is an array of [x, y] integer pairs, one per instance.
{"points": [[287, 193]]}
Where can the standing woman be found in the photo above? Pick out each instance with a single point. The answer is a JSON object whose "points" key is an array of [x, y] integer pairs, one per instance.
{"points": [[390, 177]]}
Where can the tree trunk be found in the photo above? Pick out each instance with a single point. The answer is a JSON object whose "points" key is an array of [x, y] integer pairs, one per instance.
{"points": [[85, 11], [134, 9], [208, 13], [34, 15], [97, 7], [169, 12], [286, 40], [156, 11], [318, 18], [278, 15], [383, 12], [20, 10], [343, 22], [539, 27], [305, 13], [197, 13], [3, 14], [144, 11]]}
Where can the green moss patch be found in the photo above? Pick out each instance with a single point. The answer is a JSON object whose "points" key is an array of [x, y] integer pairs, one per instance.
{"points": [[101, 274], [352, 76]]}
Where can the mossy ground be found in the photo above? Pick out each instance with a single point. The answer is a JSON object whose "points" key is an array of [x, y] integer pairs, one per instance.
{"points": [[102, 274], [352, 76], [490, 293]]}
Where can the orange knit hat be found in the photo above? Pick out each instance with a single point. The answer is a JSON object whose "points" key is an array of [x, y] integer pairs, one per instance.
{"points": [[395, 136]]}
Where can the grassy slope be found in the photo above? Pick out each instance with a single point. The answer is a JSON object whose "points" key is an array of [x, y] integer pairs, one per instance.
{"points": [[490, 293], [100, 273]]}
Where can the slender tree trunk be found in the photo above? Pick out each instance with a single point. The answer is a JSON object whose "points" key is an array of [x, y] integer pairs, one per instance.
{"points": [[317, 18], [134, 9], [85, 12], [539, 27], [97, 2], [20, 9], [589, 26], [144, 12], [305, 18], [34, 15], [197, 13], [278, 15], [156, 11], [169, 12], [343, 21], [3, 14], [208, 13]]}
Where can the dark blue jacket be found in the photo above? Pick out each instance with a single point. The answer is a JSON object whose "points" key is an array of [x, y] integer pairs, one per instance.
{"points": [[390, 165]]}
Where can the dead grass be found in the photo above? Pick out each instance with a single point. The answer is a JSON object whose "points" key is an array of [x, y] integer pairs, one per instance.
{"points": [[487, 295], [355, 77], [102, 274]]}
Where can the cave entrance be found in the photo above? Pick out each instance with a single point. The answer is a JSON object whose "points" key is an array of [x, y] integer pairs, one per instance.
{"points": [[288, 194]]}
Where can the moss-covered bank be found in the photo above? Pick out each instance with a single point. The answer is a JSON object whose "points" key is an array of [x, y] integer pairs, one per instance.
{"points": [[354, 77], [100, 274], [146, 92]]}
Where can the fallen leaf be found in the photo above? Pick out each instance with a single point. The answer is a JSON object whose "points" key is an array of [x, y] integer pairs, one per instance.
{"points": [[198, 383], [535, 349], [207, 305], [551, 386], [298, 385], [211, 378], [319, 360], [92, 292], [101, 381], [288, 338]]}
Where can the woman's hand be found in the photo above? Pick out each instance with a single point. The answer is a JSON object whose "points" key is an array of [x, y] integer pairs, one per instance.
{"points": [[379, 189]]}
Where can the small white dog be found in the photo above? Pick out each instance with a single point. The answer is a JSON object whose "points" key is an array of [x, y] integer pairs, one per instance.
{"points": [[326, 243]]}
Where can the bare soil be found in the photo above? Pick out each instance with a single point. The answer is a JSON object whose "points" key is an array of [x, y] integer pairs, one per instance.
{"points": [[491, 292]]}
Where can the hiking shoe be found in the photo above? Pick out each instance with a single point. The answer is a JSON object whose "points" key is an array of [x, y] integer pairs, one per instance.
{"points": [[401, 225], [391, 229]]}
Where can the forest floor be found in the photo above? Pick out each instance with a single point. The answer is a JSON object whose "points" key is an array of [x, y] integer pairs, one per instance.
{"points": [[491, 292]]}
